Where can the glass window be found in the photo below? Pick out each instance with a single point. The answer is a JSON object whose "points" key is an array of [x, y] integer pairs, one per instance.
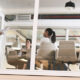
{"points": [[60, 34], [19, 38], [74, 34], [39, 34], [17, 53]]}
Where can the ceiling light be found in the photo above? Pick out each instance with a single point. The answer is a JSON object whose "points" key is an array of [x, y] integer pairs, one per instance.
{"points": [[70, 4]]}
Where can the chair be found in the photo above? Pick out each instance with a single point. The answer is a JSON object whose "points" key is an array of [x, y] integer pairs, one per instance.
{"points": [[66, 52], [7, 65], [14, 60], [45, 52]]}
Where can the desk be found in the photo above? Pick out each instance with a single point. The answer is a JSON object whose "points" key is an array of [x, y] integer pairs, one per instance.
{"points": [[16, 48]]}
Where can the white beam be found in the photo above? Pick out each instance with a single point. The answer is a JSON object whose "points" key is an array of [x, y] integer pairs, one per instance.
{"points": [[67, 34], [44, 23], [34, 35], [2, 45]]}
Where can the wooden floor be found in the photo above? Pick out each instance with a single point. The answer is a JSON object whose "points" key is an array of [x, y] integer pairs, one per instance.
{"points": [[16, 77]]}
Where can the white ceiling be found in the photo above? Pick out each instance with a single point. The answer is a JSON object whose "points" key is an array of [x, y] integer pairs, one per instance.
{"points": [[56, 3], [11, 4], [46, 6], [30, 3]]}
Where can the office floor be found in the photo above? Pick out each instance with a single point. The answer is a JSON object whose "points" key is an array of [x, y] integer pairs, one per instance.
{"points": [[17, 77]]}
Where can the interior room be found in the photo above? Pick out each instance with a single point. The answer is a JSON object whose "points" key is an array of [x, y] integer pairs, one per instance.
{"points": [[41, 37], [16, 41]]}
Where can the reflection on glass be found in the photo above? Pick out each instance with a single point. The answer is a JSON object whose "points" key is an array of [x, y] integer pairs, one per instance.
{"points": [[18, 48]]}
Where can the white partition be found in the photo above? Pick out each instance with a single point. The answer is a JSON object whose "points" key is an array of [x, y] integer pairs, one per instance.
{"points": [[2, 44]]}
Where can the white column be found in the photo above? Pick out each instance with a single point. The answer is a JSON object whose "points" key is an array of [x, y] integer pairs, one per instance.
{"points": [[34, 35], [67, 34], [2, 45]]}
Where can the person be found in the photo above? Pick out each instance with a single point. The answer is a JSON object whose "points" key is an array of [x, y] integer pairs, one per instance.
{"points": [[28, 53], [28, 43], [47, 46], [49, 36]]}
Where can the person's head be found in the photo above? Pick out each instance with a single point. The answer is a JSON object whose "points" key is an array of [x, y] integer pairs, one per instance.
{"points": [[49, 33], [29, 40], [28, 43]]}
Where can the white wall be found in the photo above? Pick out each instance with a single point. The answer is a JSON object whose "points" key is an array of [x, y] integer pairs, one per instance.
{"points": [[55, 23], [2, 45]]}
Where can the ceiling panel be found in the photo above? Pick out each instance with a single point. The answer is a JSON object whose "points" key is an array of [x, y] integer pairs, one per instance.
{"points": [[28, 5], [16, 4]]}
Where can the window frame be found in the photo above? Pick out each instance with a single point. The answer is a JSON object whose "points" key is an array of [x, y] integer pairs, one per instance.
{"points": [[32, 70]]}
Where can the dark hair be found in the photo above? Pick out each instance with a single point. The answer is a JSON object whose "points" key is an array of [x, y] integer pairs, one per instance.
{"points": [[29, 40], [52, 34]]}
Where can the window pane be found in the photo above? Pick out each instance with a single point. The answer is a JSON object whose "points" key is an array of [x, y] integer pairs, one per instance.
{"points": [[19, 36], [17, 53], [60, 34], [74, 34]]}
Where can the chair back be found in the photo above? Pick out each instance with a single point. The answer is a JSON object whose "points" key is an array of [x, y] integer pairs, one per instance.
{"points": [[12, 57], [66, 52]]}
